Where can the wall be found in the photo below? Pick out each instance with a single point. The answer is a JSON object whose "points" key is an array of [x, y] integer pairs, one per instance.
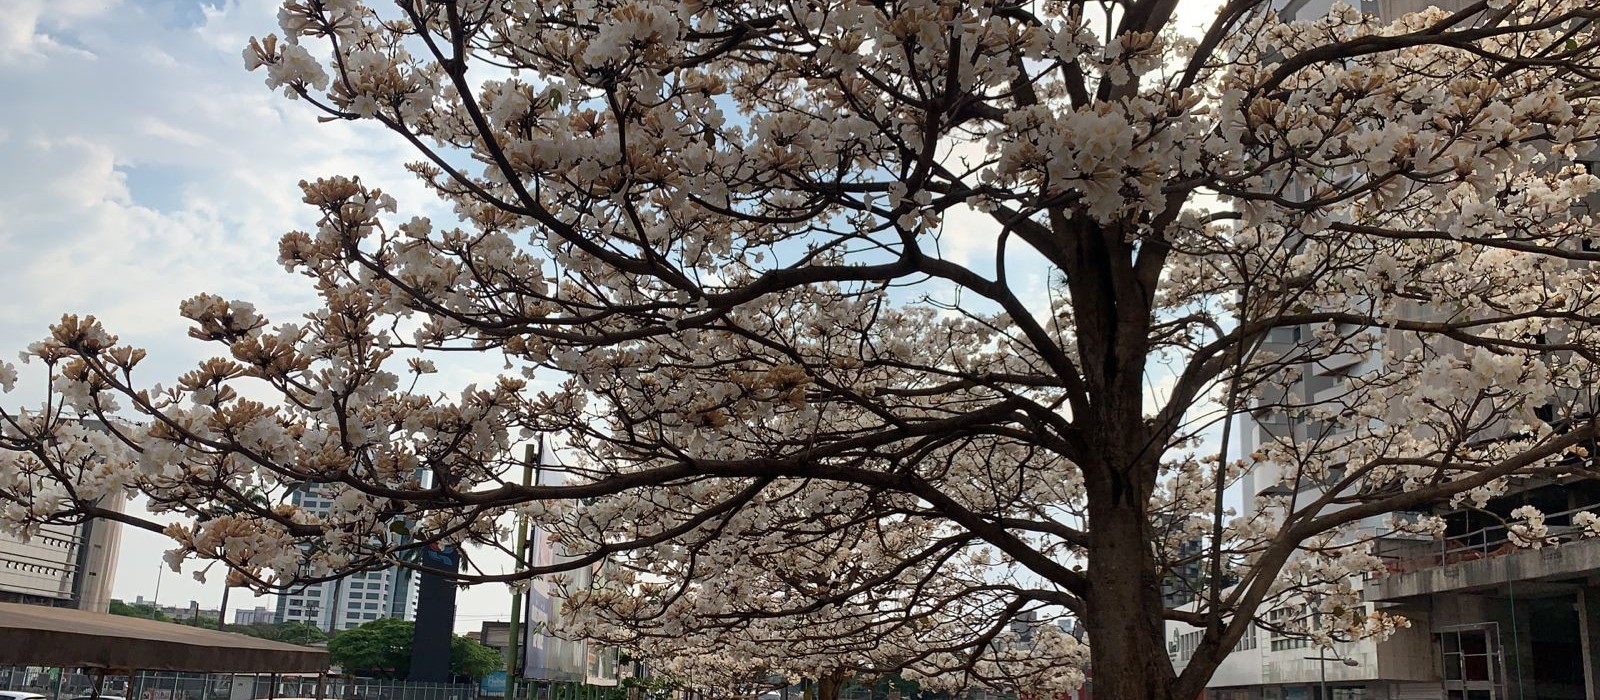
{"points": [[42, 567]]}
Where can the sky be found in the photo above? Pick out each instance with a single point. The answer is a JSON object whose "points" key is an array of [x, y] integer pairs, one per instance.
{"points": [[144, 166]]}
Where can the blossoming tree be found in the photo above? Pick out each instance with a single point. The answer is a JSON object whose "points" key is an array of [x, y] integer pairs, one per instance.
{"points": [[850, 314]]}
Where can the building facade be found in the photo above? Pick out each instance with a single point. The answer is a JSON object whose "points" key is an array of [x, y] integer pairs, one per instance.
{"points": [[62, 566], [353, 600], [260, 615], [68, 566]]}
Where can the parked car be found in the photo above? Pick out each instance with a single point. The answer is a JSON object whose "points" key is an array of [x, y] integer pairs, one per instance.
{"points": [[19, 695], [99, 697]]}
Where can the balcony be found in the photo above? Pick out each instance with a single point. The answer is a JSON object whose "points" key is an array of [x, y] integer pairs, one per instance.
{"points": [[1483, 559]]}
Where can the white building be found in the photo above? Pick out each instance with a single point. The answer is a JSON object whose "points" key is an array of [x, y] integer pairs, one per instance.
{"points": [[354, 600], [62, 566], [68, 566]]}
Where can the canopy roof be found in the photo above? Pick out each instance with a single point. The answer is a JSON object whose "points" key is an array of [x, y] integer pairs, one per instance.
{"points": [[32, 635]]}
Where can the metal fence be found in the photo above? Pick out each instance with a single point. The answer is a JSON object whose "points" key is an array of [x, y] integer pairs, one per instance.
{"points": [[1400, 556], [60, 684]]}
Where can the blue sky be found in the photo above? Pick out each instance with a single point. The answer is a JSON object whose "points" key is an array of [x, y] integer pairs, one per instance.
{"points": [[145, 165]]}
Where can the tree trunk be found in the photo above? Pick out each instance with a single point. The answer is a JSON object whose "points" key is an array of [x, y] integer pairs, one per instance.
{"points": [[830, 683], [1127, 636]]}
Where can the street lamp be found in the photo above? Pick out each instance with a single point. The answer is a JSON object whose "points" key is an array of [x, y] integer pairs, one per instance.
{"points": [[161, 570], [1322, 668]]}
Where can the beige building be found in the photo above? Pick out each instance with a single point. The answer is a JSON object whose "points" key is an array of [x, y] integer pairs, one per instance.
{"points": [[62, 566]]}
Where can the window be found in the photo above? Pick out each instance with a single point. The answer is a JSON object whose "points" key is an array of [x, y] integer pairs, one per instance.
{"points": [[1284, 334], [1183, 645], [1471, 659], [1284, 622], [1248, 641]]}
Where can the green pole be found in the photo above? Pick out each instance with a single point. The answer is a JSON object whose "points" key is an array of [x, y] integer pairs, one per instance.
{"points": [[530, 456]]}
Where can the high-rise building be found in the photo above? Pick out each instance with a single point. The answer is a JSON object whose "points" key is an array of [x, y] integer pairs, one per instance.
{"points": [[1488, 620], [61, 566], [69, 566], [351, 601]]}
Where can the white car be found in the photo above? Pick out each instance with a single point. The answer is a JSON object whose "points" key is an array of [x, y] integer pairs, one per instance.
{"points": [[99, 697], [19, 695]]}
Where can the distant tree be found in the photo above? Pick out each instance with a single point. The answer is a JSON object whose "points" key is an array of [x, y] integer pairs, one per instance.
{"points": [[470, 659], [144, 610], [381, 648], [290, 632]]}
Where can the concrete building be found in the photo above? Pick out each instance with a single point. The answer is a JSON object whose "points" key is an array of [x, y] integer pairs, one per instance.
{"points": [[63, 565], [495, 634], [188, 611], [354, 600], [261, 615], [1504, 620], [1489, 620]]}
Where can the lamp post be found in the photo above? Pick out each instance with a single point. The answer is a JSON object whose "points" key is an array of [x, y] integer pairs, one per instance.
{"points": [[1322, 668], [161, 569]]}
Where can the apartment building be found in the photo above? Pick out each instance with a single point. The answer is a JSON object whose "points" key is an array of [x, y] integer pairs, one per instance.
{"points": [[351, 601]]}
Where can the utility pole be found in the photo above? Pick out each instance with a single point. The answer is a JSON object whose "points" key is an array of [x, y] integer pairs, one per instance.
{"points": [[532, 458]]}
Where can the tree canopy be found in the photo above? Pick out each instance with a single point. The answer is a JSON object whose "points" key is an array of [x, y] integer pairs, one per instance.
{"points": [[382, 649], [873, 331], [144, 610]]}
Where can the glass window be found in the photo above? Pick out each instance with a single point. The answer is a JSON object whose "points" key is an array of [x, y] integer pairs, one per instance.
{"points": [[1475, 668], [1470, 660]]}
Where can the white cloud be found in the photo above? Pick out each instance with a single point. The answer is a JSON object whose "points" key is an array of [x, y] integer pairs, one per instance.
{"points": [[144, 166], [36, 29]]}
